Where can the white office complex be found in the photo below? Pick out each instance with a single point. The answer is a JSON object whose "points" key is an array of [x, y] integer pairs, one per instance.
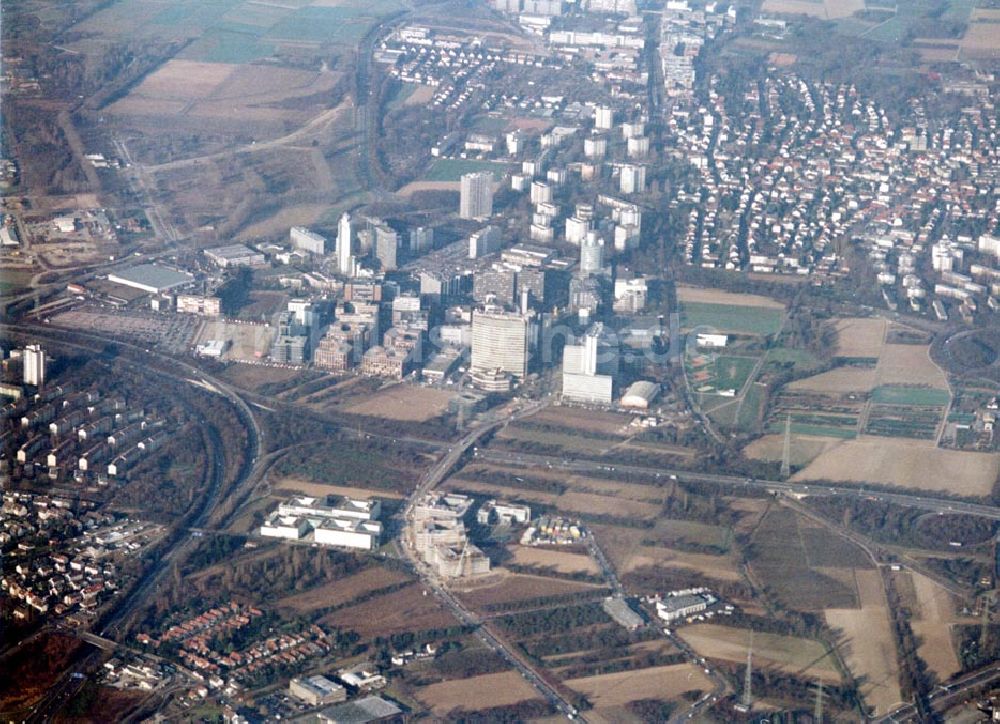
{"points": [[589, 368], [476, 195], [33, 360], [306, 240], [439, 536], [345, 257], [350, 523], [500, 341]]}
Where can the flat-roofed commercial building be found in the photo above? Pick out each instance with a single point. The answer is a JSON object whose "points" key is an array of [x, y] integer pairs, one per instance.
{"points": [[306, 240], [235, 255], [317, 690], [151, 278]]}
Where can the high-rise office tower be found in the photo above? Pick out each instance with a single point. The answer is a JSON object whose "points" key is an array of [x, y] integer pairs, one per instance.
{"points": [[591, 253], [386, 244], [476, 201], [500, 340], [345, 259]]}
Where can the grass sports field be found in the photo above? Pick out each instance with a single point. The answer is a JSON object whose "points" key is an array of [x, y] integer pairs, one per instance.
{"points": [[731, 318]]}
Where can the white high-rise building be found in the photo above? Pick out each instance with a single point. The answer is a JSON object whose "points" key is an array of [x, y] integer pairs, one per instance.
{"points": [[386, 245], [604, 118], [541, 193], [421, 238], [345, 259], [500, 341], [476, 195], [591, 253], [632, 179], [589, 368], [34, 359], [576, 229]]}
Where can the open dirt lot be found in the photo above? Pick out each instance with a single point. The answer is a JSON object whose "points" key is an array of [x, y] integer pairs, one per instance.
{"points": [[870, 649], [346, 589], [932, 623], [184, 80], [838, 381], [404, 402], [914, 464], [804, 449], [606, 423], [860, 336], [657, 682], [719, 296], [405, 610], [486, 690], [909, 364], [304, 487], [246, 341], [417, 186], [509, 587], [982, 39], [560, 561], [800, 656], [569, 502], [627, 553]]}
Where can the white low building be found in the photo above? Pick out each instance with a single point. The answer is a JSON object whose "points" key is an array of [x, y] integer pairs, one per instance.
{"points": [[348, 533], [285, 526]]}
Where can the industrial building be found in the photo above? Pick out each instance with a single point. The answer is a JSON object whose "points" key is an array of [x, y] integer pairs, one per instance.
{"points": [[317, 690], [151, 278], [640, 395], [201, 305], [235, 255], [619, 609], [682, 604], [362, 711]]}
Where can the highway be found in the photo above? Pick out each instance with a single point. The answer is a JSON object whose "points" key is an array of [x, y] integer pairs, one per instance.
{"points": [[431, 479], [179, 539], [923, 501], [946, 696]]}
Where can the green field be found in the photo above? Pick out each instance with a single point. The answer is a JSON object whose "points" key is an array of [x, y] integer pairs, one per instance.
{"points": [[691, 532], [193, 13], [798, 428], [753, 403], [452, 169], [800, 359], [732, 372], [221, 46], [731, 318], [910, 396], [346, 23]]}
